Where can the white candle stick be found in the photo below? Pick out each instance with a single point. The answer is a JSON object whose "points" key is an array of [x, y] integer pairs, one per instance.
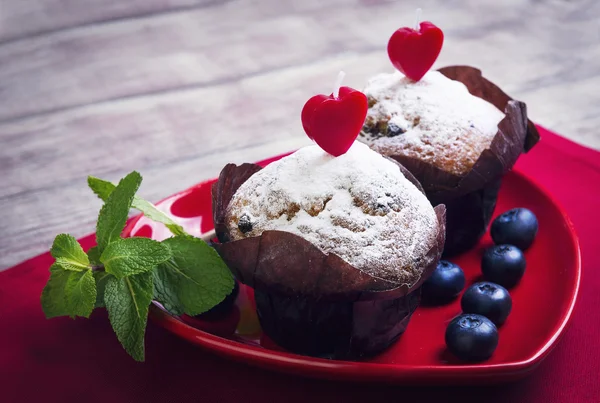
{"points": [[418, 19], [338, 83]]}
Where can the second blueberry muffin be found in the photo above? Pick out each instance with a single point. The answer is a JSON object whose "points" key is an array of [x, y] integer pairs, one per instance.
{"points": [[457, 133]]}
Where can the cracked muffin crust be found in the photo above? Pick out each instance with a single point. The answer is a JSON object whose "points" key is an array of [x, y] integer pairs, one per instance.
{"points": [[435, 120], [359, 206]]}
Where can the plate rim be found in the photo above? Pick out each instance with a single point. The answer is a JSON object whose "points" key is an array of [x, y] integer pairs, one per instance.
{"points": [[369, 371]]}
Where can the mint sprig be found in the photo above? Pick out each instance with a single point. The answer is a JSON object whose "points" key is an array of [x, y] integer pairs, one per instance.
{"points": [[125, 274]]}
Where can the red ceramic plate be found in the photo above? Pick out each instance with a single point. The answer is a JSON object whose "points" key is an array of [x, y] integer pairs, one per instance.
{"points": [[542, 305]]}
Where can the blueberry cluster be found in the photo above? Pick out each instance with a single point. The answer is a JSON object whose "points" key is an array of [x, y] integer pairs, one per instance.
{"points": [[473, 335]]}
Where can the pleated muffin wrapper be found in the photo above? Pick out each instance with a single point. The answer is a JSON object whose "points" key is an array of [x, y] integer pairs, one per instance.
{"points": [[311, 302], [470, 199]]}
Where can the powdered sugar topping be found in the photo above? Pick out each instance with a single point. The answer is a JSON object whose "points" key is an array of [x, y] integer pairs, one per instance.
{"points": [[435, 119], [358, 205]]}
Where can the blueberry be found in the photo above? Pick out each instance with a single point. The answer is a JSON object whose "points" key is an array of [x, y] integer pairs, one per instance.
{"points": [[394, 130], [488, 299], [503, 264], [472, 337], [518, 227], [224, 307], [446, 282], [245, 225]]}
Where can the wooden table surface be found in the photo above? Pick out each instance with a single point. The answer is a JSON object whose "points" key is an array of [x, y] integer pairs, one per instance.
{"points": [[177, 88]]}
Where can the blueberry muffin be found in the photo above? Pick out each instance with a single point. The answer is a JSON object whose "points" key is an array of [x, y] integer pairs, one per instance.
{"points": [[435, 120], [457, 133], [358, 206], [329, 244]]}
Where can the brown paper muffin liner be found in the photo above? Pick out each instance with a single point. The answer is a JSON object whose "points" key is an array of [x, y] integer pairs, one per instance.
{"points": [[467, 217], [470, 199], [334, 329], [311, 302]]}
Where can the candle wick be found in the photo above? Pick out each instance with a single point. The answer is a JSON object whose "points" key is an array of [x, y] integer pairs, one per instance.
{"points": [[338, 83], [418, 19]]}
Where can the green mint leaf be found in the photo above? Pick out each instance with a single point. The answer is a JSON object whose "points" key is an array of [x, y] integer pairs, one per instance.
{"points": [[127, 301], [94, 256], [69, 254], [103, 189], [81, 293], [54, 299], [129, 256], [101, 278], [196, 274], [155, 214], [70, 265], [69, 293], [165, 289], [113, 214], [100, 187]]}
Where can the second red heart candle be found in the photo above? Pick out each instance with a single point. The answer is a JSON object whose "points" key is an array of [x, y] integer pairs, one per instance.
{"points": [[334, 121], [413, 51]]}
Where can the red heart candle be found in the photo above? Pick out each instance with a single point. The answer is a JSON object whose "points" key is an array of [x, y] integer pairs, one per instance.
{"points": [[334, 121], [413, 51]]}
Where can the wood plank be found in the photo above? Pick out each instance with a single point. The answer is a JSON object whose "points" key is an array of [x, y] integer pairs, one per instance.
{"points": [[576, 115], [223, 43], [156, 54], [24, 18], [153, 130]]}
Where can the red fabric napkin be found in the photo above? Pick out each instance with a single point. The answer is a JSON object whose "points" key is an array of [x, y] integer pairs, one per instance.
{"points": [[64, 360]]}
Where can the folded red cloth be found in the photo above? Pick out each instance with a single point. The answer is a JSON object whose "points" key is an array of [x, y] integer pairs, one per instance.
{"points": [[64, 360]]}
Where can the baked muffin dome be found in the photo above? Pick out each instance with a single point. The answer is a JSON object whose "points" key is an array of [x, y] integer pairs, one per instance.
{"points": [[359, 206], [435, 120]]}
